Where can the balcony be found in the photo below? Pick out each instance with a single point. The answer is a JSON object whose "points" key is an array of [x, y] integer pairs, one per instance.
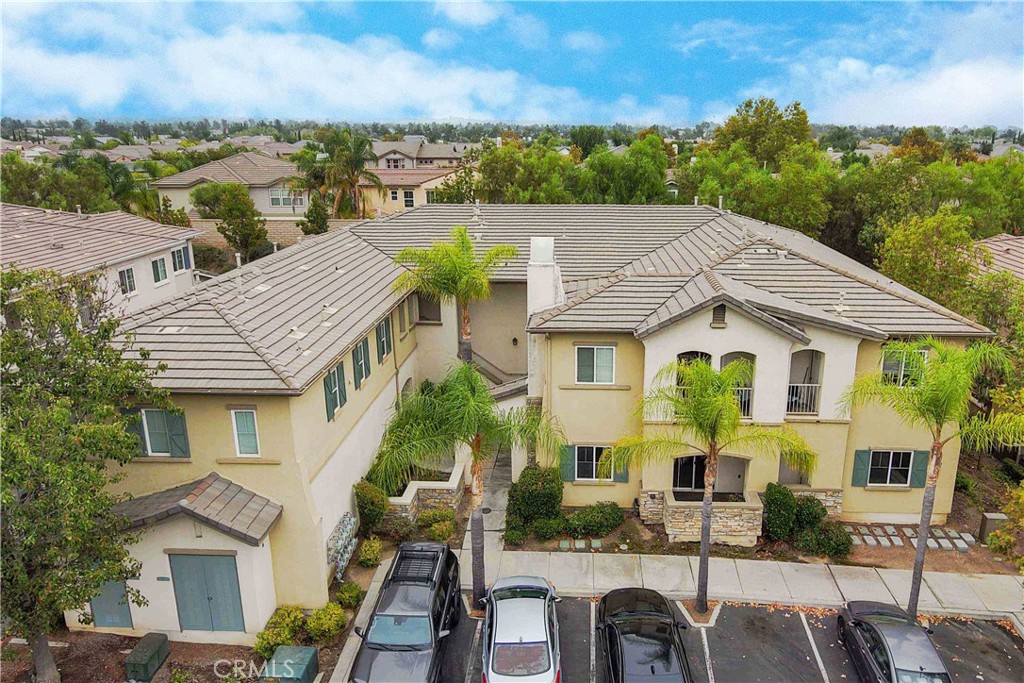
{"points": [[745, 396], [802, 399]]}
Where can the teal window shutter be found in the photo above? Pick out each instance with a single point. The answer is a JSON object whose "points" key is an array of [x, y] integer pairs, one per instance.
{"points": [[339, 375], [366, 357], [567, 463], [329, 395], [380, 343], [357, 365], [861, 465], [919, 469], [177, 434], [134, 426]]}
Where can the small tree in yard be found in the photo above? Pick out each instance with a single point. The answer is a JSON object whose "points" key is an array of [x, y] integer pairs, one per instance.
{"points": [[237, 218], [65, 385], [315, 221], [935, 394]]}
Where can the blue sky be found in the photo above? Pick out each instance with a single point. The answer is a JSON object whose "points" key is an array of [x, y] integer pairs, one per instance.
{"points": [[531, 62]]}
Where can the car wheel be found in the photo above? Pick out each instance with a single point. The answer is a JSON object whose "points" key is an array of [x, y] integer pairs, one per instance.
{"points": [[841, 623]]}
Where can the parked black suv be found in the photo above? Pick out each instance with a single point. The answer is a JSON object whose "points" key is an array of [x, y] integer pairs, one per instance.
{"points": [[418, 606]]}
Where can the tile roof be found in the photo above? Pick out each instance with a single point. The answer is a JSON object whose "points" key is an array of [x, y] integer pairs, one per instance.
{"points": [[80, 243], [301, 310], [213, 500], [408, 176], [1007, 253], [247, 168]]}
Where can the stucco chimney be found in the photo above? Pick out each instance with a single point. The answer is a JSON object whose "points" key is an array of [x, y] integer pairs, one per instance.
{"points": [[543, 277]]}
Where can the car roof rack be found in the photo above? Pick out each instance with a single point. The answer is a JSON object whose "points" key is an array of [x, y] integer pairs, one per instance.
{"points": [[415, 566]]}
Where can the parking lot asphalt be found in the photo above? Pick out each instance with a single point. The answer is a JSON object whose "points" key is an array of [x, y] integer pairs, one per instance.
{"points": [[755, 644]]}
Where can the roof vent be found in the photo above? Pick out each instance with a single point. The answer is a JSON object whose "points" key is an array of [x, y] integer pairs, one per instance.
{"points": [[56, 245], [782, 254], [718, 316], [304, 266], [260, 288], [296, 333], [172, 329], [841, 306]]}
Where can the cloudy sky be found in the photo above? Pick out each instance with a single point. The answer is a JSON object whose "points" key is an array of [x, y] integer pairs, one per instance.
{"points": [[530, 62]]}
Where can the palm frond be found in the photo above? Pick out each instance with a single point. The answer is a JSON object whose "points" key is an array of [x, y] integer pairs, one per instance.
{"points": [[1002, 429], [783, 441]]}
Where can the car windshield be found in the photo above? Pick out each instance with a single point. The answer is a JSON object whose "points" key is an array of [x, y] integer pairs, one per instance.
{"points": [[519, 592], [903, 676], [389, 629], [520, 659]]}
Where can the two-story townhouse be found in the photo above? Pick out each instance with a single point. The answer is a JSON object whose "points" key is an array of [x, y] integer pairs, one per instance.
{"points": [[268, 180], [611, 294], [413, 151], [403, 189], [285, 372], [140, 261]]}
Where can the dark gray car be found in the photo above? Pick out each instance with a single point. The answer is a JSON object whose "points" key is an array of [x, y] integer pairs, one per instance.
{"points": [[418, 606], [887, 646]]}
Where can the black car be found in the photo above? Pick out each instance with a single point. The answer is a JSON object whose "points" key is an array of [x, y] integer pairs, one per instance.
{"points": [[640, 637], [887, 646], [419, 605]]}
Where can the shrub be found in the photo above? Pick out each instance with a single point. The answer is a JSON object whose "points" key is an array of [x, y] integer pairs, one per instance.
{"points": [[441, 531], [212, 259], [810, 513], [372, 504], [349, 595], [537, 494], [779, 512], [547, 528], [599, 519], [432, 516], [1013, 471], [369, 552], [515, 536], [969, 487], [1001, 542], [326, 623], [398, 529], [829, 539], [281, 629]]}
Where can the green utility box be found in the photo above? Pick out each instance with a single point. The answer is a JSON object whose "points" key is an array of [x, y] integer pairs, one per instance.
{"points": [[145, 659], [291, 664]]}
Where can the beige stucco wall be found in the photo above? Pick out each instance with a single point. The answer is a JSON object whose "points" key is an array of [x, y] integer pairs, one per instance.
{"points": [[374, 201], [179, 197], [437, 345], [497, 322]]}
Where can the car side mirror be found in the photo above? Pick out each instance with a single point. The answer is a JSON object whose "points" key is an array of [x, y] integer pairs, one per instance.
{"points": [[483, 601], [443, 633], [359, 631]]}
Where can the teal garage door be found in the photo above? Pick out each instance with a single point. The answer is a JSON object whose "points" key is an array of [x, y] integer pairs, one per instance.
{"points": [[110, 608], [206, 590]]}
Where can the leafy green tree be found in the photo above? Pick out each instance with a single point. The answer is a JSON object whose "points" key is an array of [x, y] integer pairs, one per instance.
{"points": [[66, 382], [766, 130], [459, 411], [52, 187], [452, 271], [458, 188], [704, 411], [993, 195], [315, 221], [348, 167], [635, 177], [916, 142], [938, 397], [840, 138], [238, 221], [587, 138], [168, 215]]}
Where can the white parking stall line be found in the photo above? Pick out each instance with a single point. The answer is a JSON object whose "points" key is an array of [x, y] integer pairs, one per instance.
{"points": [[707, 654], [814, 648], [593, 643], [476, 640]]}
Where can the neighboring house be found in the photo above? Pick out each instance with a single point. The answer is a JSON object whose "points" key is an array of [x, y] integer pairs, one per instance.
{"points": [[30, 151], [413, 151], [267, 179], [142, 262], [1007, 253], [405, 189]]}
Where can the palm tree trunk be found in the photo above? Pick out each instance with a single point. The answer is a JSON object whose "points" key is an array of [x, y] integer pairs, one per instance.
{"points": [[42, 660], [337, 203], [934, 465], [710, 469], [476, 532], [465, 334], [477, 483]]}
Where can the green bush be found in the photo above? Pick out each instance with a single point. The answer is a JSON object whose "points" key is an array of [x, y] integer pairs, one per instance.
{"points": [[537, 494], [441, 531], [398, 529], [548, 528], [282, 629], [429, 518], [1013, 471], [779, 512], [326, 623], [515, 536], [1001, 542], [810, 513], [372, 504], [349, 595], [599, 519], [369, 551], [830, 540]]}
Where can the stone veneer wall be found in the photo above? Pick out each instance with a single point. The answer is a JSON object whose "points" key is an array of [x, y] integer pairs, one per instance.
{"points": [[652, 507], [423, 495], [831, 498], [731, 523]]}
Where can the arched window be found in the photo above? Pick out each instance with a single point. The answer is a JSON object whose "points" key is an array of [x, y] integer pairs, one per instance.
{"points": [[691, 356], [805, 368], [745, 394]]}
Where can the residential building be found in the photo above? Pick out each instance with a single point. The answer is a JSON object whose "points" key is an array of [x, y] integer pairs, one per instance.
{"points": [[268, 180], [413, 151], [141, 261], [1007, 253], [404, 189]]}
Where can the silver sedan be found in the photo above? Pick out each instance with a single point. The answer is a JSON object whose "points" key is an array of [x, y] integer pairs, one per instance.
{"points": [[520, 636]]}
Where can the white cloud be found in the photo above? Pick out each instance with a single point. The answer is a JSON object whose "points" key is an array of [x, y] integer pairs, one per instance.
{"points": [[586, 41], [474, 13], [735, 38], [440, 38], [528, 31]]}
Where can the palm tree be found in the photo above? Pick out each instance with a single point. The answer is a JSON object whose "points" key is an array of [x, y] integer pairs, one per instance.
{"points": [[702, 405], [935, 394], [347, 167], [452, 271], [460, 410]]}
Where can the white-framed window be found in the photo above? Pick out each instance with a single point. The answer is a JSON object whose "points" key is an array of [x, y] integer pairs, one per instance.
{"points": [[430, 196], [126, 278], [395, 162], [181, 259], [159, 270], [896, 368], [408, 199], [361, 362], [401, 317], [247, 441], [156, 432], [688, 473], [394, 195], [587, 458], [384, 341], [595, 365], [282, 196], [890, 468]]}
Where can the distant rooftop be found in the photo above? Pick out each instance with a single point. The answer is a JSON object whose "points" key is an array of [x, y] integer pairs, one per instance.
{"points": [[248, 168], [1007, 253]]}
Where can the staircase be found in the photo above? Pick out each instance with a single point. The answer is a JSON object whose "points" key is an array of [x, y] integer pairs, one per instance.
{"points": [[492, 372]]}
